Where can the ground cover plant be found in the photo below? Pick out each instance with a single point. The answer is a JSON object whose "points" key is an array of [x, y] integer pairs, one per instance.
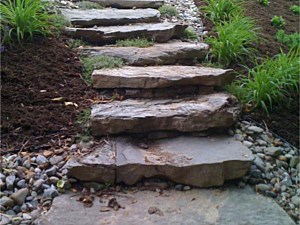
{"points": [[290, 40], [190, 34], [295, 9], [89, 5], [24, 19], [278, 21], [134, 42], [167, 10], [264, 2]]}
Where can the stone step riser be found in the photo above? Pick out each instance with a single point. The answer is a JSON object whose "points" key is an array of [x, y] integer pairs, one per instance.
{"points": [[214, 111], [129, 4], [110, 17], [159, 32], [201, 162], [159, 54]]}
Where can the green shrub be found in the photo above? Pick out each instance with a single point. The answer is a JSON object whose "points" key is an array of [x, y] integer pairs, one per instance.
{"points": [[295, 9], [270, 83], [290, 40], [89, 5], [99, 62], [221, 10], [190, 34], [263, 2], [278, 21], [137, 42], [25, 19], [167, 10], [234, 40]]}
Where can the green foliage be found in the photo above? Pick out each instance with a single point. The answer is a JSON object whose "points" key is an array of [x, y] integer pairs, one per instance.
{"points": [[269, 84], [24, 19], [290, 40], [75, 43], [98, 62], [221, 10], [190, 34], [89, 5], [137, 42], [295, 9], [264, 2], [234, 40], [83, 120], [167, 10], [278, 21]]}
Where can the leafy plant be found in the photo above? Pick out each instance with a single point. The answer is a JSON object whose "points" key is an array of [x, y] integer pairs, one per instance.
{"points": [[263, 2], [138, 42], [234, 40], [278, 21], [221, 10], [89, 5], [99, 62], [167, 10], [190, 34], [295, 9], [290, 40], [24, 19], [269, 84]]}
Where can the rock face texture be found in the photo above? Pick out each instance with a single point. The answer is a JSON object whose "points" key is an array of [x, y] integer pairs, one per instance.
{"points": [[98, 166], [160, 32], [160, 77], [128, 4], [110, 17], [158, 54], [201, 162], [217, 110]]}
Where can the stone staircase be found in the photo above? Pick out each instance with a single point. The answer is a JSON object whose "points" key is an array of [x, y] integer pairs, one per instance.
{"points": [[173, 119]]}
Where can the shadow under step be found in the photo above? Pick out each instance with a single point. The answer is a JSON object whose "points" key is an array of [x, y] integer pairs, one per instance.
{"points": [[128, 4]]}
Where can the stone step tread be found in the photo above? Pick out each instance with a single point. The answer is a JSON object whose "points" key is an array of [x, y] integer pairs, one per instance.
{"points": [[110, 17], [214, 206], [159, 54], [160, 77], [159, 32], [217, 110], [130, 3], [197, 161]]}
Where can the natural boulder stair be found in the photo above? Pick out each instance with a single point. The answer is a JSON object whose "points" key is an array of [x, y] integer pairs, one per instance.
{"points": [[178, 102]]}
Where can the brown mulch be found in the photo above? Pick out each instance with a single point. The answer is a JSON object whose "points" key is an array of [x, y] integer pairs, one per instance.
{"points": [[284, 121], [37, 81]]}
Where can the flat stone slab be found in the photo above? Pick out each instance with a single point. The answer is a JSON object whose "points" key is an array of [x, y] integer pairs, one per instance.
{"points": [[160, 77], [125, 4], [201, 162], [217, 110], [110, 17], [99, 165], [229, 206], [160, 32], [158, 54]]}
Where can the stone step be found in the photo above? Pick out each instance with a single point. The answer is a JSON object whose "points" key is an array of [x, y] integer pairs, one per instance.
{"points": [[227, 206], [158, 54], [110, 17], [160, 77], [159, 32], [217, 110], [127, 4], [196, 161]]}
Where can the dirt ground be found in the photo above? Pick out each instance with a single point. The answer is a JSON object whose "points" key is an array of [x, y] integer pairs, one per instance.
{"points": [[284, 121]]}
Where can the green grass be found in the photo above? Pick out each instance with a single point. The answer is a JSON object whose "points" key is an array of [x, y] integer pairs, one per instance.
{"points": [[89, 5], [290, 40], [167, 10], [295, 9], [190, 34], [83, 120], [137, 42], [234, 40], [278, 21], [269, 84], [25, 19], [221, 10], [98, 62]]}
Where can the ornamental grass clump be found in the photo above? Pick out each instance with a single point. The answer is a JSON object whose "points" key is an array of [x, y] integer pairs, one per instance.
{"points": [[272, 83], [234, 40], [25, 19]]}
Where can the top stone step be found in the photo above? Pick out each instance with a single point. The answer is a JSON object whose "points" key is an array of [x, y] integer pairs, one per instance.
{"points": [[127, 4], [110, 17]]}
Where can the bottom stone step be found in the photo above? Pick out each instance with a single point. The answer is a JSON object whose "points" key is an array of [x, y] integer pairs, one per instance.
{"points": [[201, 162]]}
